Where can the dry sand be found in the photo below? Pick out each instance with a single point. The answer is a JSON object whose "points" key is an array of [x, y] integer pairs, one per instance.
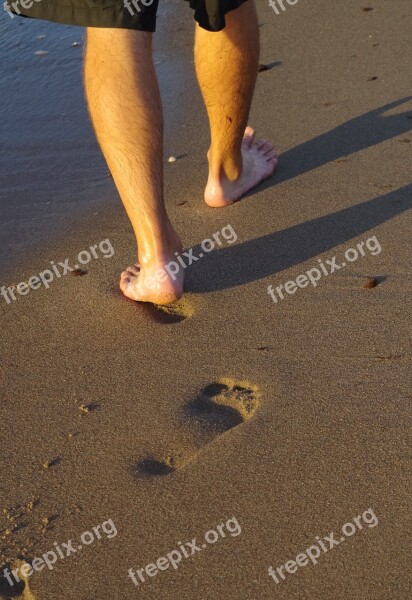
{"points": [[293, 418]]}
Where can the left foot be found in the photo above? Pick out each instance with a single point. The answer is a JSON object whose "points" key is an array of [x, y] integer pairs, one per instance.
{"points": [[259, 160]]}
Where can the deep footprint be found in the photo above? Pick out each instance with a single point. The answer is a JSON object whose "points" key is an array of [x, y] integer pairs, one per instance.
{"points": [[219, 407], [19, 590]]}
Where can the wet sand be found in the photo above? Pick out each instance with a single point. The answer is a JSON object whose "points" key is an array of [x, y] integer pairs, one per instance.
{"points": [[291, 417]]}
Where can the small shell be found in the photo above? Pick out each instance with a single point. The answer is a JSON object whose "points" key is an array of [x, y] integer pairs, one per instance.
{"points": [[172, 159]]}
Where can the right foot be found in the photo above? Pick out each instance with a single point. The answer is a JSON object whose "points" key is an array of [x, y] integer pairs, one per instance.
{"points": [[151, 281], [259, 162]]}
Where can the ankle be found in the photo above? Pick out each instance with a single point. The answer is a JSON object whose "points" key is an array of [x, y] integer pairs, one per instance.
{"points": [[228, 166], [156, 246]]}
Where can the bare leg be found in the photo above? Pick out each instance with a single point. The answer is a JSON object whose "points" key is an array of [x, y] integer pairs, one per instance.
{"points": [[125, 107], [227, 67]]}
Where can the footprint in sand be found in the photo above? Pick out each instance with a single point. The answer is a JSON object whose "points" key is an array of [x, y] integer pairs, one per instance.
{"points": [[170, 314], [219, 407]]}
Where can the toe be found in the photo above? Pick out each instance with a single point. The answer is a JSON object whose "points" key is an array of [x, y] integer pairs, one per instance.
{"points": [[271, 154], [123, 284], [259, 144], [133, 270], [266, 148], [249, 136], [272, 164]]}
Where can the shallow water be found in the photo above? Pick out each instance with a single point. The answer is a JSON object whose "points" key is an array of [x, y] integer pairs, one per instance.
{"points": [[51, 167], [46, 141]]}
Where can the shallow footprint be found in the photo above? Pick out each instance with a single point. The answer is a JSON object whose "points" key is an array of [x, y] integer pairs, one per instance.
{"points": [[169, 314], [225, 403], [219, 407]]}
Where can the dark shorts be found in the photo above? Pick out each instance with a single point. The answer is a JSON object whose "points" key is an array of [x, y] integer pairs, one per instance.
{"points": [[124, 14]]}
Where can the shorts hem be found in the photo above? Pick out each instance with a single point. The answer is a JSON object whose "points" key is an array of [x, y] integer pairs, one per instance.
{"points": [[209, 14], [213, 19], [107, 18]]}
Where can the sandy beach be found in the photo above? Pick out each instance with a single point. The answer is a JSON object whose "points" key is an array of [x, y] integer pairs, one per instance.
{"points": [[238, 429]]}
